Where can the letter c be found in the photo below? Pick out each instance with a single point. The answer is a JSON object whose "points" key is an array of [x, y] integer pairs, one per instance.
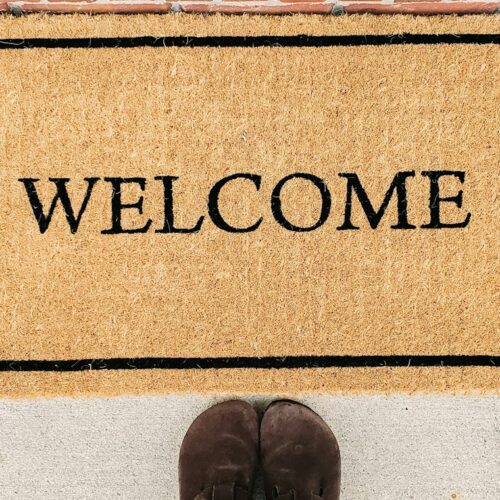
{"points": [[213, 203]]}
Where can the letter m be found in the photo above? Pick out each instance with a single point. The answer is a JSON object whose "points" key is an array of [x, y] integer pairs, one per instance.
{"points": [[374, 216], [61, 196]]}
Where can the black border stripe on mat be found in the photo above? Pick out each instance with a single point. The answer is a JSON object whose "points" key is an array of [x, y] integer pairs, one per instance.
{"points": [[250, 41], [246, 362]]}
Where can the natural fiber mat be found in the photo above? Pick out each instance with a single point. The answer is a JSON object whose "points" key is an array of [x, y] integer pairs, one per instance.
{"points": [[224, 204]]}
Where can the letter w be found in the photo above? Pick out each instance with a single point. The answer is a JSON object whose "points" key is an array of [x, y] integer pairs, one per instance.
{"points": [[62, 195]]}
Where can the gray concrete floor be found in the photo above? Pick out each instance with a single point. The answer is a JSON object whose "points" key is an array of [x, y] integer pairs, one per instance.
{"points": [[394, 448]]}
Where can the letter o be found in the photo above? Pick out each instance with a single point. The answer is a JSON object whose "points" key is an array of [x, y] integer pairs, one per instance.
{"points": [[326, 202]]}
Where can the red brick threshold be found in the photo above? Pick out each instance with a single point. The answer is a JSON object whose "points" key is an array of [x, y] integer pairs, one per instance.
{"points": [[254, 6]]}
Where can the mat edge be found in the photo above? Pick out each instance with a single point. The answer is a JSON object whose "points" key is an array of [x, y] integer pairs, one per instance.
{"points": [[78, 26], [348, 381]]}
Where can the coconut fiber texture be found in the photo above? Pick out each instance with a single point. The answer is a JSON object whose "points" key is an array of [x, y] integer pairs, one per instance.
{"points": [[195, 204]]}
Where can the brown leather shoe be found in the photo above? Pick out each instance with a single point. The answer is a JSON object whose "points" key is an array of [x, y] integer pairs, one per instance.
{"points": [[299, 454], [219, 454]]}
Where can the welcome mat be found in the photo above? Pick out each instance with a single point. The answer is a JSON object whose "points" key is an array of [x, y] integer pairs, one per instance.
{"points": [[248, 204]]}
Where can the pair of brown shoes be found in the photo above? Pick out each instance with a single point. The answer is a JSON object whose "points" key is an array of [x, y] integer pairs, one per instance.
{"points": [[299, 454]]}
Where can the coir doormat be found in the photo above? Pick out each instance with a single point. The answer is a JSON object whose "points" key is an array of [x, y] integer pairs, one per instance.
{"points": [[248, 204]]}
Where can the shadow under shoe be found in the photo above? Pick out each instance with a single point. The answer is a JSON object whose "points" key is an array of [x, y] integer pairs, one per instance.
{"points": [[299, 454], [219, 454]]}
